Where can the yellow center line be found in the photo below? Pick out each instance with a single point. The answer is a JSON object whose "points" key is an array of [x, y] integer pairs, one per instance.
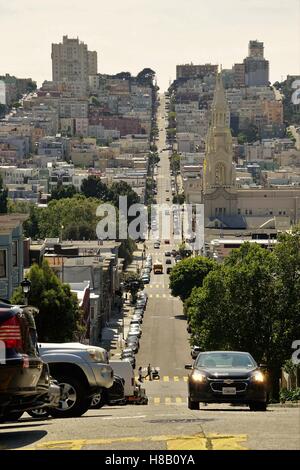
{"points": [[166, 378], [185, 442], [167, 400], [176, 378]]}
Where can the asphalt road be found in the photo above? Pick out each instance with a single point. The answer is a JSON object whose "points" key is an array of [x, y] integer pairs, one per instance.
{"points": [[166, 422]]}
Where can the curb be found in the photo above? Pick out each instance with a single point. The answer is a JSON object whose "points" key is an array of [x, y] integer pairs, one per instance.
{"points": [[284, 405]]}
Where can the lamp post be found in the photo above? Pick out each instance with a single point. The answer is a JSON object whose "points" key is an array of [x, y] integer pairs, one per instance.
{"points": [[26, 286]]}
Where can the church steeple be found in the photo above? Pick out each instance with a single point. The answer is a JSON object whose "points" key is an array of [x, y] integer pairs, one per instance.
{"points": [[218, 169], [219, 105]]}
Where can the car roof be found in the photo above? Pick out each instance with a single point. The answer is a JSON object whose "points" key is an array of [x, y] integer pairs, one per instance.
{"points": [[226, 352]]}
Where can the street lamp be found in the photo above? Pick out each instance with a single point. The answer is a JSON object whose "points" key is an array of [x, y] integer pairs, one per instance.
{"points": [[26, 285]]}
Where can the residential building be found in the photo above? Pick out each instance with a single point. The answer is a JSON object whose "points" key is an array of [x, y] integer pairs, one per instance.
{"points": [[92, 63], [256, 66], [226, 205], [71, 61], [11, 253], [195, 71]]}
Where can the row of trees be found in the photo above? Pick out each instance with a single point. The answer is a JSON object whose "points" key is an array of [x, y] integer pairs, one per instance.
{"points": [[59, 318], [251, 302]]}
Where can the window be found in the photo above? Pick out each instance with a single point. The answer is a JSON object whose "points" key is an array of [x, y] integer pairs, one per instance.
{"points": [[239, 211], [15, 253], [2, 264]]}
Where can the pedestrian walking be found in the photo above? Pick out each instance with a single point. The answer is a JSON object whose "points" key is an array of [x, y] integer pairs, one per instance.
{"points": [[140, 370], [149, 372]]}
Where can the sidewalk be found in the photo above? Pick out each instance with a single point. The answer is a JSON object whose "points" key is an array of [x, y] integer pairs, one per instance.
{"points": [[112, 335]]}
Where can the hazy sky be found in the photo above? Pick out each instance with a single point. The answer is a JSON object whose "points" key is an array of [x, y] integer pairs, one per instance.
{"points": [[132, 34]]}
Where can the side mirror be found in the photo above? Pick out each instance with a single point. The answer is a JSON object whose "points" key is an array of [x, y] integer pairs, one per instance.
{"points": [[188, 366]]}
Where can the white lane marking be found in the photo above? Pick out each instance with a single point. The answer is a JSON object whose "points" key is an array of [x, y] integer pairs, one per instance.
{"points": [[124, 417]]}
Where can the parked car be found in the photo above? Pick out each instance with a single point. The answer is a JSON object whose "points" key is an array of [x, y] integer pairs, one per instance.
{"points": [[168, 261], [115, 395], [167, 253], [124, 369], [169, 269], [25, 381], [139, 311], [132, 341], [135, 330], [141, 303], [156, 245], [136, 319], [143, 295], [146, 278], [227, 377], [131, 360], [81, 371]]}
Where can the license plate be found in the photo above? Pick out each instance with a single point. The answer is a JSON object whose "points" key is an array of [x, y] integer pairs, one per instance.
{"points": [[229, 391]]}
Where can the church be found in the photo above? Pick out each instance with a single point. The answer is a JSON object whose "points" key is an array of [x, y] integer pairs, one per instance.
{"points": [[227, 206]]}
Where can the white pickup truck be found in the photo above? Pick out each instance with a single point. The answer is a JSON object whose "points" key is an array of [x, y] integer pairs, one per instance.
{"points": [[81, 371]]}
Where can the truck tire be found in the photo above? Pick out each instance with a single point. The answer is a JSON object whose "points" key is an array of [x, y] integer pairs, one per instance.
{"points": [[74, 401]]}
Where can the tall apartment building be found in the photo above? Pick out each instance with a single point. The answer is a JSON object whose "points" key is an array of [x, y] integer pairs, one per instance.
{"points": [[256, 66], [72, 62], [239, 75], [92, 63], [195, 71]]}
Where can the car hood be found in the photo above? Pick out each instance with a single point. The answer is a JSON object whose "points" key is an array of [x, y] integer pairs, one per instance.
{"points": [[221, 373]]}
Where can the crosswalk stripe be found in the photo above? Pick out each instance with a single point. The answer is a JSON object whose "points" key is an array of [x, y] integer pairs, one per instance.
{"points": [[176, 378], [166, 378], [167, 400], [156, 400], [178, 400]]}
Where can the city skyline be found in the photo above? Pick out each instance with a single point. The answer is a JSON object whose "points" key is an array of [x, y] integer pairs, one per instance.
{"points": [[155, 37]]}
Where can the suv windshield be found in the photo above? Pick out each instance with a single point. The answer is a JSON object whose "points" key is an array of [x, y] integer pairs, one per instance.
{"points": [[225, 360]]}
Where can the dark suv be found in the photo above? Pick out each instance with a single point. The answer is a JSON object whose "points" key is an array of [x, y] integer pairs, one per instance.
{"points": [[24, 378]]}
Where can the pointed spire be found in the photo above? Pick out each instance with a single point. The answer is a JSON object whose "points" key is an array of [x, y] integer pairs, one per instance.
{"points": [[220, 104], [220, 100]]}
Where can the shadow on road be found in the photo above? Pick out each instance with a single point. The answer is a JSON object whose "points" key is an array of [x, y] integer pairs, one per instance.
{"points": [[180, 317], [18, 439]]}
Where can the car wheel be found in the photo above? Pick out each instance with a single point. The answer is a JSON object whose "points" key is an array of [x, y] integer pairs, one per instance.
{"points": [[98, 401], [73, 401], [193, 405], [11, 416], [258, 406], [39, 413]]}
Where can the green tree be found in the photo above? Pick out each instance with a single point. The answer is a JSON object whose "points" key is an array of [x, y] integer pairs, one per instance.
{"points": [[93, 187], [62, 192], [146, 77], [122, 188], [189, 273], [59, 316], [3, 198], [251, 303]]}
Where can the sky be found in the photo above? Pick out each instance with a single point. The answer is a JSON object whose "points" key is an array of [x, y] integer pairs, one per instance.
{"points": [[132, 34]]}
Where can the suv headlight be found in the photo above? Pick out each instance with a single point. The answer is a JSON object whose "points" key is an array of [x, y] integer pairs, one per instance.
{"points": [[258, 377], [198, 376], [96, 355]]}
